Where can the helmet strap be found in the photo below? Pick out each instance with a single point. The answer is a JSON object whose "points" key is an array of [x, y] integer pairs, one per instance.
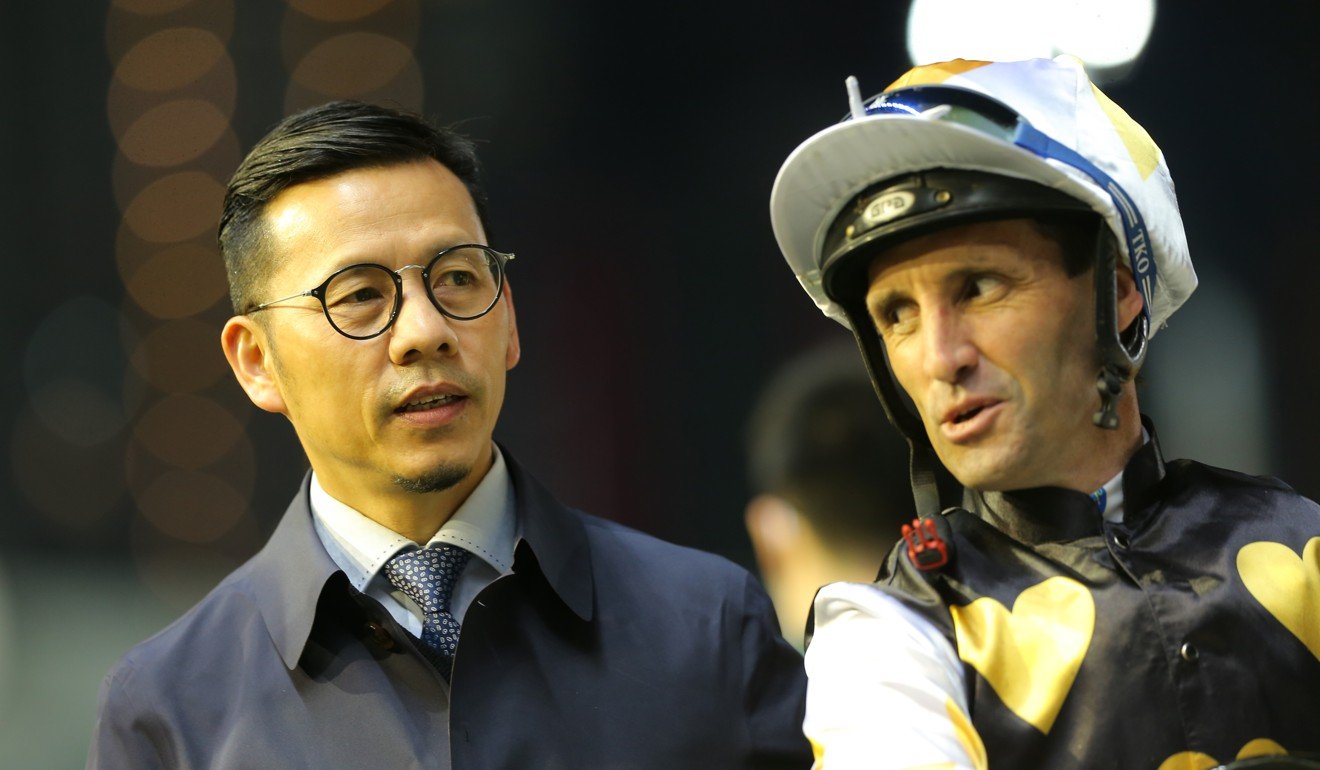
{"points": [[1119, 358], [933, 486], [934, 489], [925, 489]]}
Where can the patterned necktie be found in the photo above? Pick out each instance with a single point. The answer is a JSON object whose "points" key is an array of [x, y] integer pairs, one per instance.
{"points": [[427, 576]]}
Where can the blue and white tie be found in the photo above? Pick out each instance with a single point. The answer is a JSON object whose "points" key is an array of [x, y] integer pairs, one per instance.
{"points": [[427, 576]]}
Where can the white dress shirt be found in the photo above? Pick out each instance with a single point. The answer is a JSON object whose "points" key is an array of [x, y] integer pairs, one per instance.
{"points": [[485, 524]]}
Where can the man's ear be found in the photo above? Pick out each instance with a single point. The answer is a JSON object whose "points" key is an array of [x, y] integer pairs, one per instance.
{"points": [[515, 347], [250, 356], [774, 527], [1130, 300]]}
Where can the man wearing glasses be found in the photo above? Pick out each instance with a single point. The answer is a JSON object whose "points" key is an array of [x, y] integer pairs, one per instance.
{"points": [[1003, 240], [424, 602]]}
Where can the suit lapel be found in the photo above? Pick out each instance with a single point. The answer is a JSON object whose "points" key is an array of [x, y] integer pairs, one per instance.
{"points": [[556, 536], [288, 576]]}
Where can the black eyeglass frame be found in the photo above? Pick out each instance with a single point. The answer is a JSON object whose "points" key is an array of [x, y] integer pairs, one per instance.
{"points": [[501, 259]]}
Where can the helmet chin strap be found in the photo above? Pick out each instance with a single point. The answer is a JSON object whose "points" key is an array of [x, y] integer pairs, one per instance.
{"points": [[1119, 359], [929, 539], [926, 491]]}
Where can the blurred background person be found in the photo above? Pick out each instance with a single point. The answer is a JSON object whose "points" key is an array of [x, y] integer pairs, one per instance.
{"points": [[829, 478]]}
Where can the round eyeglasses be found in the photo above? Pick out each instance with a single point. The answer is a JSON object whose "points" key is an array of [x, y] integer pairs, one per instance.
{"points": [[362, 301]]}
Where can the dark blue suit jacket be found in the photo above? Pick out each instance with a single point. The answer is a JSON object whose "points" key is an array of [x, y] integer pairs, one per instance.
{"points": [[605, 648]]}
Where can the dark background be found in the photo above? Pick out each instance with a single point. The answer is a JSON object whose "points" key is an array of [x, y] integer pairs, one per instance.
{"points": [[629, 152]]}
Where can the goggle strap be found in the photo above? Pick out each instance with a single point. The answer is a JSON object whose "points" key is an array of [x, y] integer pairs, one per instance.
{"points": [[1140, 260]]}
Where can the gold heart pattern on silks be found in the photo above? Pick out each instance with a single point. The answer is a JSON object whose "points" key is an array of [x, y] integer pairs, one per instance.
{"points": [[1029, 656], [1287, 586], [1195, 760]]}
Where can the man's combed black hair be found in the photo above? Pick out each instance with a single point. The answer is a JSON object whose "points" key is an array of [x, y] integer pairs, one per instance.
{"points": [[315, 144], [819, 439]]}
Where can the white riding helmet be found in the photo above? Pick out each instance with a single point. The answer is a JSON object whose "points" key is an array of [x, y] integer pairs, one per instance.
{"points": [[964, 141], [827, 171]]}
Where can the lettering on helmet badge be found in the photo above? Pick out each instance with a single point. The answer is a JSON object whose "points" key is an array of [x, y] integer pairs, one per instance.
{"points": [[888, 207]]}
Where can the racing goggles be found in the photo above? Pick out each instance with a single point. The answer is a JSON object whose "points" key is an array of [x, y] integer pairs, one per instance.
{"points": [[991, 117]]}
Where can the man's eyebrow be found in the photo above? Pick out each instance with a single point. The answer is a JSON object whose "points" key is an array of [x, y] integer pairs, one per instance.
{"points": [[351, 256], [369, 255], [880, 302], [886, 298]]}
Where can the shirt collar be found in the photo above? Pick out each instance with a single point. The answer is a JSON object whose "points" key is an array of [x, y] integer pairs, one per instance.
{"points": [[294, 574], [1109, 498], [485, 525]]}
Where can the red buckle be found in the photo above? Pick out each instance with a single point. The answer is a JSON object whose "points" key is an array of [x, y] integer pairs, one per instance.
{"points": [[925, 547]]}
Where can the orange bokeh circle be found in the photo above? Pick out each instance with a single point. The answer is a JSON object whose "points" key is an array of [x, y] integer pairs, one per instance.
{"points": [[126, 104], [170, 59], [174, 133], [176, 281], [191, 506], [187, 431], [149, 7], [124, 28], [129, 178], [175, 208], [337, 10], [180, 356], [352, 64]]}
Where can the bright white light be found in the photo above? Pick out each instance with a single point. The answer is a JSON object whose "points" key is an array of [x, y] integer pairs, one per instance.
{"points": [[1102, 33], [1108, 33], [939, 30]]}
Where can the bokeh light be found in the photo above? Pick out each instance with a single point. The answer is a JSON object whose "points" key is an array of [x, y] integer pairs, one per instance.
{"points": [[125, 28], [238, 467], [130, 178], [187, 431], [125, 105], [180, 356], [370, 60], [398, 20], [176, 207], [189, 466], [73, 485], [1106, 35], [338, 10], [189, 52], [335, 67], [73, 370], [176, 281], [149, 7], [174, 133], [192, 506]]}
